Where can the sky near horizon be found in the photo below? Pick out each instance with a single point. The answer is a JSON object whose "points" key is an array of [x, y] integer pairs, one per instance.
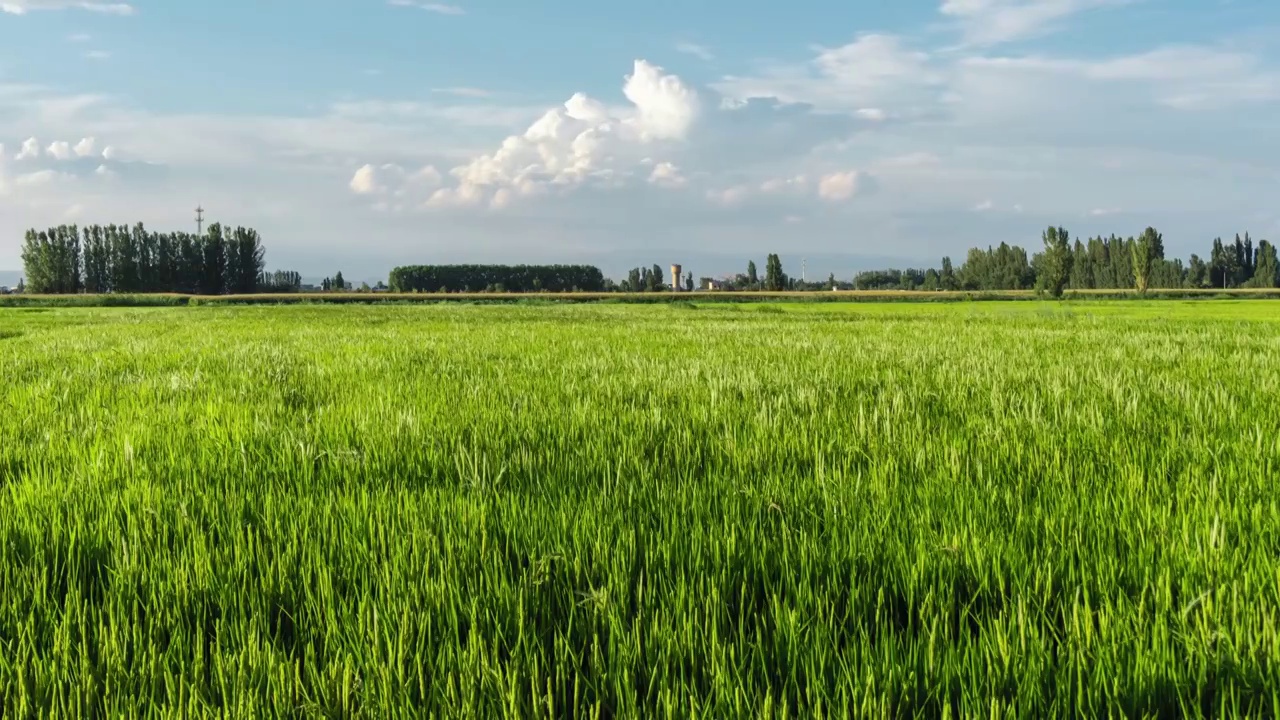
{"points": [[361, 134]]}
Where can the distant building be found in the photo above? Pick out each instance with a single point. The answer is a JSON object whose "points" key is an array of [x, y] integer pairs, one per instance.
{"points": [[712, 284], [4, 290]]}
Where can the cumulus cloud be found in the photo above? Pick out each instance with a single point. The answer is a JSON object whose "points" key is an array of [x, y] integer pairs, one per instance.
{"points": [[579, 142], [839, 186], [30, 149], [391, 179], [86, 147], [984, 206], [59, 150], [667, 174], [365, 181]]}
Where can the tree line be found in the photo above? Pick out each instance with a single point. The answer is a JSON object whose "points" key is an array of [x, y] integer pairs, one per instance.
{"points": [[645, 280], [1098, 263], [497, 278], [123, 259]]}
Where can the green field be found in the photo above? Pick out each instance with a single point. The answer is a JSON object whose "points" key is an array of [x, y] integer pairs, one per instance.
{"points": [[938, 510]]}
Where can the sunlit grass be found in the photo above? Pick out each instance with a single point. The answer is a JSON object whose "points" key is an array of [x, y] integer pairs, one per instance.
{"points": [[995, 509]]}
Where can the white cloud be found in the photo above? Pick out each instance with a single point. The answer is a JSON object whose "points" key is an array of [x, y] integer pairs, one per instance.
{"points": [[665, 107], [873, 76], [438, 8], [990, 22], [779, 185], [839, 186], [365, 181], [86, 147], [908, 162], [109, 153], [98, 55], [984, 206], [60, 150], [391, 178], [30, 149], [581, 141], [22, 7], [729, 196], [667, 175], [79, 37], [699, 51], [463, 92], [42, 177], [1103, 212]]}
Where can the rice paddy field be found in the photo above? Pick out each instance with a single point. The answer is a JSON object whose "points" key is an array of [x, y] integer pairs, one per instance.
{"points": [[668, 511]]}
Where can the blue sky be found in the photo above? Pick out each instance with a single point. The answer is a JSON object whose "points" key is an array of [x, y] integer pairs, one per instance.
{"points": [[360, 134]]}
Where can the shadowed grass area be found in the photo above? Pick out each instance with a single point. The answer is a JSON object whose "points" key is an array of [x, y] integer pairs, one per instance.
{"points": [[996, 509]]}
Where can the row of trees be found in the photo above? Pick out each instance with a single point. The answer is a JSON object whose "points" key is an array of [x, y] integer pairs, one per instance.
{"points": [[774, 279], [1094, 264], [123, 259], [280, 281], [497, 278], [647, 280]]}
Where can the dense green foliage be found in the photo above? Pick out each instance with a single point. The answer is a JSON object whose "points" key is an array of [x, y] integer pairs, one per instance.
{"points": [[500, 278], [1096, 264], [1055, 269], [640, 280], [120, 259], [988, 510]]}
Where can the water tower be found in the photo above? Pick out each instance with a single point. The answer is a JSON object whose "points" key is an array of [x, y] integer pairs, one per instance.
{"points": [[675, 278]]}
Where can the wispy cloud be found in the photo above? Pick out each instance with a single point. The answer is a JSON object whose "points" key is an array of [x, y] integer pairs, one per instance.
{"points": [[98, 55], [438, 8], [992, 22], [22, 7], [696, 50], [463, 92]]}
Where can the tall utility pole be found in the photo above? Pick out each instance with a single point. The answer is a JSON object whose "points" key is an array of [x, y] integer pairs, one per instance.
{"points": [[199, 221], [804, 266]]}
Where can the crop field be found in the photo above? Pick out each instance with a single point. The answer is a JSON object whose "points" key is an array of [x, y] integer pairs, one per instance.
{"points": [[1022, 509]]}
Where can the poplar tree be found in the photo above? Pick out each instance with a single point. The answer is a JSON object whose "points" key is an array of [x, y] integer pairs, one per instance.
{"points": [[1057, 261]]}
